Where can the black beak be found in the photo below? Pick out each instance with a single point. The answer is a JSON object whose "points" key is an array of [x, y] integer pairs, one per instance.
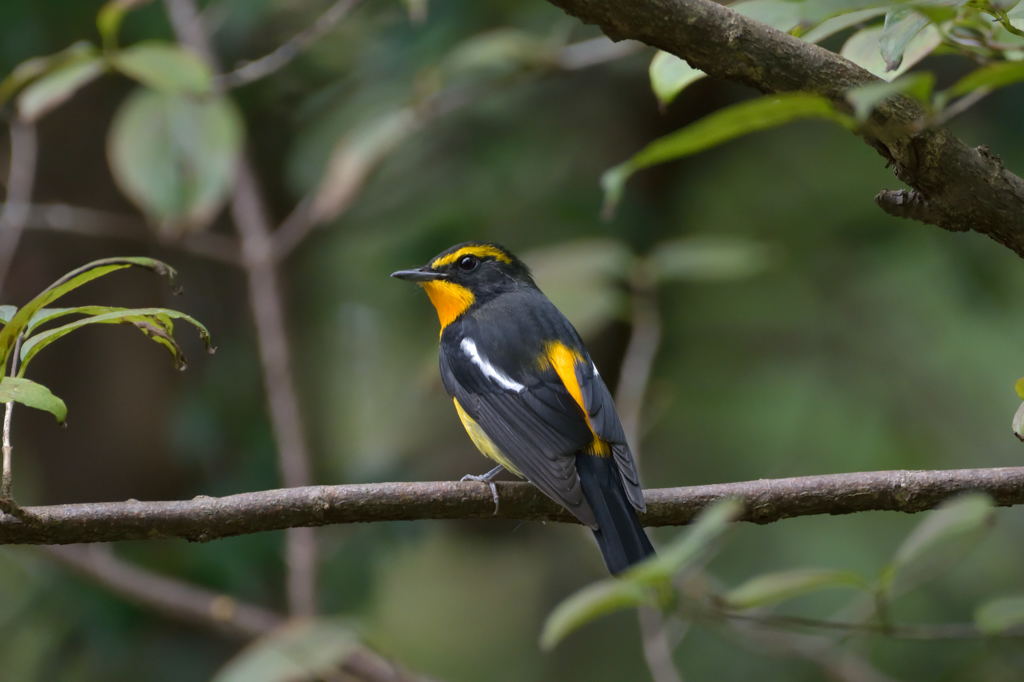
{"points": [[420, 275]]}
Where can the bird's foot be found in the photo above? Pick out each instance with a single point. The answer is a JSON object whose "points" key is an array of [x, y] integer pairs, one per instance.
{"points": [[487, 478]]}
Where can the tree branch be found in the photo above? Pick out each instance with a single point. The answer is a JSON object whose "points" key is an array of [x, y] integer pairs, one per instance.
{"points": [[289, 50], [170, 597], [252, 220], [199, 606], [767, 500], [92, 222], [20, 180], [964, 188]]}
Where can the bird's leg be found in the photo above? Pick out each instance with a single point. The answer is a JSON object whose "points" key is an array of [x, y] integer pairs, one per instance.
{"points": [[487, 478]]}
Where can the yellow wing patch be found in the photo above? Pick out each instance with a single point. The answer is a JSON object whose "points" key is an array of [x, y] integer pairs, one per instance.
{"points": [[449, 299], [479, 250], [482, 441], [563, 360]]}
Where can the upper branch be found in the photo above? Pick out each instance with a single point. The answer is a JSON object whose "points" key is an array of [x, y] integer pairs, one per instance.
{"points": [[956, 187], [767, 500]]}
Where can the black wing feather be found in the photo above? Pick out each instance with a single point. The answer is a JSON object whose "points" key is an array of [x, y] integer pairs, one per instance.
{"points": [[605, 420], [531, 429], [539, 428]]}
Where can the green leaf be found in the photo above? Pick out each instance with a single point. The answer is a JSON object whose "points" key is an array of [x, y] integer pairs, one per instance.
{"points": [[109, 19], [70, 282], [156, 323], [939, 540], [772, 588], [691, 545], [865, 98], [31, 394], [7, 312], [44, 315], [990, 77], [646, 583], [31, 69], [670, 75], [721, 126], [862, 48], [299, 650], [900, 27], [53, 89], [175, 156], [165, 67], [834, 25], [999, 615], [706, 258], [590, 603]]}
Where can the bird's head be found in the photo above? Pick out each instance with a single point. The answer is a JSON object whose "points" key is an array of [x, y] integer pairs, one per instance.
{"points": [[467, 274]]}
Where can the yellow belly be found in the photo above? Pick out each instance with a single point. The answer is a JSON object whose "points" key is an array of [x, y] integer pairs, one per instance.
{"points": [[482, 441]]}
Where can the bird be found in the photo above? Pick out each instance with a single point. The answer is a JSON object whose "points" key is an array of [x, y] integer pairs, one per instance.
{"points": [[530, 397]]}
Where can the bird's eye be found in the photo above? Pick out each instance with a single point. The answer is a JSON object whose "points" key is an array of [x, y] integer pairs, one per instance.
{"points": [[468, 263]]}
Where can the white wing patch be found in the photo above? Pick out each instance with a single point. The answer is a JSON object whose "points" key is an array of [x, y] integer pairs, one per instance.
{"points": [[468, 347]]}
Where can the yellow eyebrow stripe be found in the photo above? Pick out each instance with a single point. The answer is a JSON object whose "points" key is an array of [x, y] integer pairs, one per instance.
{"points": [[563, 360], [480, 251]]}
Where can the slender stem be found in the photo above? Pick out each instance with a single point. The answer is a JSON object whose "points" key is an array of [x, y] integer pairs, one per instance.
{"points": [[199, 606], [656, 646], [289, 50], [91, 222], [252, 220], [638, 359], [7, 480], [20, 180], [165, 595]]}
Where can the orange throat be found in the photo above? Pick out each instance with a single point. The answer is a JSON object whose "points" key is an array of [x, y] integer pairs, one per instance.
{"points": [[449, 299]]}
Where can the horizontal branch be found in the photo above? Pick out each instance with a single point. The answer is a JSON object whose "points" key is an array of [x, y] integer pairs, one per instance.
{"points": [[957, 187], [207, 518], [179, 600]]}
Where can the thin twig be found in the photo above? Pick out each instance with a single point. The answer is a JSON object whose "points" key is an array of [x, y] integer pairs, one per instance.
{"points": [[168, 596], [766, 500], [303, 219], [289, 50], [656, 646], [199, 606], [961, 105], [92, 222], [248, 209], [942, 631], [20, 180], [6, 477], [638, 359]]}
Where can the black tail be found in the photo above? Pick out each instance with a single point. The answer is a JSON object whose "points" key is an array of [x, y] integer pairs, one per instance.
{"points": [[619, 534]]}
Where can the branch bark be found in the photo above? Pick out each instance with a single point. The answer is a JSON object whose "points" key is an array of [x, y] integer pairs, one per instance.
{"points": [[767, 500], [956, 187]]}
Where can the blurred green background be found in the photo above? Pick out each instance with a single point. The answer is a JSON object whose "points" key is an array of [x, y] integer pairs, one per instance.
{"points": [[854, 342]]}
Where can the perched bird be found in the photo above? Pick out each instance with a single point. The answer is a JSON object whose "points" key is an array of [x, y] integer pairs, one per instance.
{"points": [[529, 396]]}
